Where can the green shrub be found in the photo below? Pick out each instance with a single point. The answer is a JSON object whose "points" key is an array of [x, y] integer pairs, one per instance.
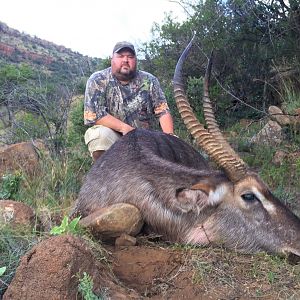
{"points": [[85, 287], [13, 245], [78, 154], [56, 185], [290, 97], [67, 227], [77, 128], [28, 126], [10, 185]]}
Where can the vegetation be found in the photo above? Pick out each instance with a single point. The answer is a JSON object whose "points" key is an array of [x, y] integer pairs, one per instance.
{"points": [[256, 64], [221, 272], [85, 287], [2, 270], [14, 243], [10, 185], [66, 227], [255, 47]]}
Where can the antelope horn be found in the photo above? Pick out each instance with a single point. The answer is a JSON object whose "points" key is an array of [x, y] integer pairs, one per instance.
{"points": [[213, 127], [208, 112], [216, 149]]}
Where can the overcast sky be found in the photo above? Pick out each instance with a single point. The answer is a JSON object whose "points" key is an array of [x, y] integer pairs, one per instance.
{"points": [[90, 27]]}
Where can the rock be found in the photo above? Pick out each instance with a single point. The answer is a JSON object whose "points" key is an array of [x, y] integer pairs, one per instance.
{"points": [[295, 120], [279, 157], [270, 134], [52, 268], [21, 156], [125, 240], [278, 115], [294, 157], [245, 122], [114, 220], [16, 214], [297, 112], [45, 219]]}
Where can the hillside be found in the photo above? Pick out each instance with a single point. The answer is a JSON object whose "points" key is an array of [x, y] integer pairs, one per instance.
{"points": [[17, 47], [39, 78]]}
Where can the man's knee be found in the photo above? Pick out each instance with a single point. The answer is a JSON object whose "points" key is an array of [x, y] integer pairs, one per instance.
{"points": [[100, 138]]}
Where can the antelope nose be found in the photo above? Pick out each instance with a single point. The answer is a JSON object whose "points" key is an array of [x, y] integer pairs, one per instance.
{"points": [[293, 258], [293, 255]]}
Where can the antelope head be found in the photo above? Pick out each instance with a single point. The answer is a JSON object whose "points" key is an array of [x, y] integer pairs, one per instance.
{"points": [[247, 216]]}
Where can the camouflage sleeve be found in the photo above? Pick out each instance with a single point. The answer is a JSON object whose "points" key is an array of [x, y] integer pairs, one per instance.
{"points": [[158, 98], [94, 100]]}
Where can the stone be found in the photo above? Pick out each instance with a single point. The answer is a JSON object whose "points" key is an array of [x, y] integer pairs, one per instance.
{"points": [[279, 157], [125, 240], [279, 116], [45, 219], [295, 119], [22, 156], [245, 122], [297, 112], [52, 269], [16, 214], [294, 157], [270, 134], [114, 220]]}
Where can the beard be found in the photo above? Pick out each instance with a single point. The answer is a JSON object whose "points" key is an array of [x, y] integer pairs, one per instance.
{"points": [[125, 75]]}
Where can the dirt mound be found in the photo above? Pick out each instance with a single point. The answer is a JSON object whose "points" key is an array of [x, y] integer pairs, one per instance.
{"points": [[51, 270], [22, 156], [156, 273]]}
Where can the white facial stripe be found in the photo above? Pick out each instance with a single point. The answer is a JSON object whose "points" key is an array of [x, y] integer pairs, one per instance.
{"points": [[218, 194], [265, 202]]}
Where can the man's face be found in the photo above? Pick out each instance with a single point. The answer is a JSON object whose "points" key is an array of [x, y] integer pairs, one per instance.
{"points": [[123, 65]]}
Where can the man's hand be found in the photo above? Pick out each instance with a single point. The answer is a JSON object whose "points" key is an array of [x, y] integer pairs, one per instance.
{"points": [[115, 124], [126, 128]]}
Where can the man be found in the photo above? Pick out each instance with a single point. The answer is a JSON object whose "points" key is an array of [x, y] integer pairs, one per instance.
{"points": [[121, 98]]}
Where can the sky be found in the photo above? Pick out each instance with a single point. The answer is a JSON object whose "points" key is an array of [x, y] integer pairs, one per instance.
{"points": [[90, 27]]}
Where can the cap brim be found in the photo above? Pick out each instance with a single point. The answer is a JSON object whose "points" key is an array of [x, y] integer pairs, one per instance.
{"points": [[125, 47]]}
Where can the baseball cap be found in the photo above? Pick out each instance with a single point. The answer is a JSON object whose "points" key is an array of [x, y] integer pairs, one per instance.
{"points": [[121, 45]]}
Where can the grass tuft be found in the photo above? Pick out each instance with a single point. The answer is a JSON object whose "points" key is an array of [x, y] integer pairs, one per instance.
{"points": [[14, 244]]}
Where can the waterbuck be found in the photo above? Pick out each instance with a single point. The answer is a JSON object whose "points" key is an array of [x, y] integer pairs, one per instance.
{"points": [[181, 197]]}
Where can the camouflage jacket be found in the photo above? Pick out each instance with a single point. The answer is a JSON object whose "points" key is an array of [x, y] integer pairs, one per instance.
{"points": [[136, 103]]}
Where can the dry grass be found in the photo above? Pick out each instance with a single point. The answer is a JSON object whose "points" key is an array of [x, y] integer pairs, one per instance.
{"points": [[245, 276]]}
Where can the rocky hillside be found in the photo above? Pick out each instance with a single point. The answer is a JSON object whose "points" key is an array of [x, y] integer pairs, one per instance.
{"points": [[17, 47]]}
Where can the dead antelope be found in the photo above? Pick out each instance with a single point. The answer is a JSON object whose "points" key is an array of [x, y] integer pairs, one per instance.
{"points": [[181, 197]]}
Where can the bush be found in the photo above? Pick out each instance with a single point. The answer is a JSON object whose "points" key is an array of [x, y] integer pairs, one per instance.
{"points": [[77, 128], [13, 245], [56, 185], [10, 185], [28, 126]]}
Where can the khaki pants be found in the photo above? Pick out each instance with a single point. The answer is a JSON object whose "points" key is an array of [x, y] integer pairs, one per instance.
{"points": [[100, 137]]}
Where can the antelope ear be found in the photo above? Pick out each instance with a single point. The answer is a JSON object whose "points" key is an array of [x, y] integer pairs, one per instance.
{"points": [[215, 192], [198, 197], [191, 200], [206, 187]]}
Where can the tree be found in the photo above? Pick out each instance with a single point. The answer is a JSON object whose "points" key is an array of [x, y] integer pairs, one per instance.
{"points": [[24, 89], [254, 42], [12, 79]]}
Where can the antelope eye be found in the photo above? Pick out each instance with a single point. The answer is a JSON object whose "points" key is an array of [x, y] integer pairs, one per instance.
{"points": [[249, 197]]}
